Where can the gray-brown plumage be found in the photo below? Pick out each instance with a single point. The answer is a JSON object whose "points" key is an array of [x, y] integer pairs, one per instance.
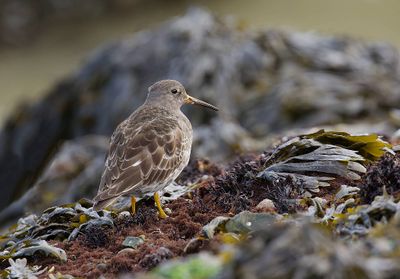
{"points": [[150, 148]]}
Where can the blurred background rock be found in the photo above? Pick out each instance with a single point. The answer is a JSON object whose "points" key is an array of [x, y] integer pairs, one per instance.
{"points": [[268, 80], [42, 41]]}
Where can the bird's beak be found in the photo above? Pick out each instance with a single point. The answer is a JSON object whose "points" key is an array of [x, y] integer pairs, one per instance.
{"points": [[193, 101]]}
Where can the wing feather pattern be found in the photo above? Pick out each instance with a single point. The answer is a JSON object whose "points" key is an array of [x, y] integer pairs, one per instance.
{"points": [[141, 155]]}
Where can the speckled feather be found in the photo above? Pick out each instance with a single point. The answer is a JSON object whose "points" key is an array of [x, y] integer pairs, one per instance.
{"points": [[147, 152]]}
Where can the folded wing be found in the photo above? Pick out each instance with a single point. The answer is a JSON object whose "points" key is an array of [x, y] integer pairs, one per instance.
{"points": [[140, 157]]}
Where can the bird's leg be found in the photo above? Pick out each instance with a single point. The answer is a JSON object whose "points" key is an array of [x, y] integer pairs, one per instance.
{"points": [[161, 212], [133, 205]]}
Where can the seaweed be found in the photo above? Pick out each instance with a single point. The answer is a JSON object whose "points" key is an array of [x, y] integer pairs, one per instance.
{"points": [[30, 236], [20, 269], [220, 211], [384, 174], [313, 160]]}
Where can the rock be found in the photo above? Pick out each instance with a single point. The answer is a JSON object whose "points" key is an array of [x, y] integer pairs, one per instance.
{"points": [[396, 137], [124, 215], [102, 267], [246, 222], [72, 174], [194, 245], [215, 225], [323, 237], [126, 251], [133, 241], [21, 22], [266, 205], [303, 250], [202, 265], [154, 259]]}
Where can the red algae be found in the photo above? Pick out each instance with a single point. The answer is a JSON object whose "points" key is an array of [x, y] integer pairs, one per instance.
{"points": [[218, 192]]}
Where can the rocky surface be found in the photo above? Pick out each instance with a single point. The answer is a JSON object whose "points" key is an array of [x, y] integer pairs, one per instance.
{"points": [[266, 83], [271, 86], [72, 174], [220, 225]]}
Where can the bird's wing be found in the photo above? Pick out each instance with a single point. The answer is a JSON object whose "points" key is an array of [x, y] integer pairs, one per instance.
{"points": [[141, 155]]}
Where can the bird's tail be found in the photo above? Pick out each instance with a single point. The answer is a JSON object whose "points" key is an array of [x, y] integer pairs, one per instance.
{"points": [[99, 205]]}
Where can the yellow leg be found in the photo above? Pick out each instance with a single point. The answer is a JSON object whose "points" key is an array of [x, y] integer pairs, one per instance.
{"points": [[161, 212], [133, 204]]}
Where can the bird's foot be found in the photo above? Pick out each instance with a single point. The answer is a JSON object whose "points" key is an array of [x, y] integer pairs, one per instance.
{"points": [[161, 212], [133, 205]]}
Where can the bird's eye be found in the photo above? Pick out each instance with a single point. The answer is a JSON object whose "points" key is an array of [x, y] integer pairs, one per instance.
{"points": [[174, 91]]}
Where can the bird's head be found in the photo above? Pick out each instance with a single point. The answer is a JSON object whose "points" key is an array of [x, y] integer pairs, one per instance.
{"points": [[172, 93]]}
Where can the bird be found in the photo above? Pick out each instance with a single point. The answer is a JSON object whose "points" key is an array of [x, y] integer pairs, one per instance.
{"points": [[150, 148]]}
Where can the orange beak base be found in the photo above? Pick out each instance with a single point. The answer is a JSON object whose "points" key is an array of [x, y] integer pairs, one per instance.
{"points": [[193, 101]]}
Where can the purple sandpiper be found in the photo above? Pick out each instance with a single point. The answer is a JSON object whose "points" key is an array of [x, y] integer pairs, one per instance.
{"points": [[150, 148]]}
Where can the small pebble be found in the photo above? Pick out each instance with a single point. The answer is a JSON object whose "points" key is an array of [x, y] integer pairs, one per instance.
{"points": [[133, 241], [102, 267], [124, 214], [126, 251], [266, 205]]}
